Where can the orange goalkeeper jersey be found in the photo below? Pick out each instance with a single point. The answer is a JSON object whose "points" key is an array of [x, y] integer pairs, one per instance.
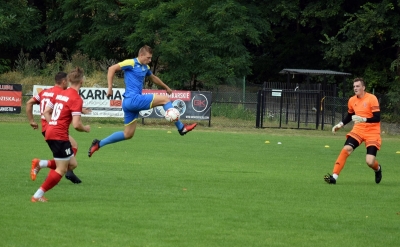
{"points": [[364, 107]]}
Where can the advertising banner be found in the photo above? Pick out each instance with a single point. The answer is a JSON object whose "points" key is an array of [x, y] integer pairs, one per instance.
{"points": [[191, 104], [10, 98]]}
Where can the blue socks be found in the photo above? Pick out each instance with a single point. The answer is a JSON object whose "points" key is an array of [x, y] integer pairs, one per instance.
{"points": [[167, 106], [179, 125], [114, 137]]}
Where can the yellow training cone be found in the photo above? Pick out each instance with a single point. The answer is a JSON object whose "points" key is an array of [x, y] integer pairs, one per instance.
{"points": [[169, 132], [267, 142], [398, 152], [326, 146]]}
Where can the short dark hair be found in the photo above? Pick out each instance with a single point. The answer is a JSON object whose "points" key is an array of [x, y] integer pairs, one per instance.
{"points": [[145, 49], [359, 79], [59, 77]]}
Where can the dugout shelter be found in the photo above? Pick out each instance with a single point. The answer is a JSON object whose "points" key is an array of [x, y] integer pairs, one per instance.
{"points": [[300, 105]]}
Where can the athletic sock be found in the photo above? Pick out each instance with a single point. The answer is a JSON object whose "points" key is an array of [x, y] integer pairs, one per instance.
{"points": [[340, 162], [51, 164], [179, 125], [43, 163], [39, 193], [376, 166], [52, 180], [114, 137], [168, 105]]}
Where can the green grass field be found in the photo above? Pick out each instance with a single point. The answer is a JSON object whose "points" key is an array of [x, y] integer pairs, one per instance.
{"points": [[208, 188]]}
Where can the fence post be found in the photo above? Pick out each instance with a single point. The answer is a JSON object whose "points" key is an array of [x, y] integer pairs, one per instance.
{"points": [[317, 106], [258, 108]]}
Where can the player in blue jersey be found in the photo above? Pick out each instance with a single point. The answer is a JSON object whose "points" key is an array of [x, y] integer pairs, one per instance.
{"points": [[135, 71]]}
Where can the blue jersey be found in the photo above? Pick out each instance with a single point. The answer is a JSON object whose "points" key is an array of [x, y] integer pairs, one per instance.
{"points": [[135, 73]]}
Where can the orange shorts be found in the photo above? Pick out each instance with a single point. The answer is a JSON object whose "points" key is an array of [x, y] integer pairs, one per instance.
{"points": [[370, 139]]}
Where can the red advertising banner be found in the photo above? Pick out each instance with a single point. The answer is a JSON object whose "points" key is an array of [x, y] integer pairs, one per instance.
{"points": [[10, 98]]}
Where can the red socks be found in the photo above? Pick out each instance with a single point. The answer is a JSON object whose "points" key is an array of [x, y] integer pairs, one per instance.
{"points": [[51, 164], [52, 180]]}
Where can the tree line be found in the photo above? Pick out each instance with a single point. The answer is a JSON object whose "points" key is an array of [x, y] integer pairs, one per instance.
{"points": [[211, 42]]}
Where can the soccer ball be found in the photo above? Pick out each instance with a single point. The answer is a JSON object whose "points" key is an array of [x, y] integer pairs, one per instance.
{"points": [[172, 115]]}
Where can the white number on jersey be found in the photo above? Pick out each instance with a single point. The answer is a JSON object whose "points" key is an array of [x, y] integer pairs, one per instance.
{"points": [[56, 111], [43, 104]]}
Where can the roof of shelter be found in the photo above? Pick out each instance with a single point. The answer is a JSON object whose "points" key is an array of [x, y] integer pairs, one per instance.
{"points": [[312, 72]]}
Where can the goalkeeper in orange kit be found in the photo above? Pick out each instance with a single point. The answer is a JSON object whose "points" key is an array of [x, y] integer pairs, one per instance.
{"points": [[363, 110]]}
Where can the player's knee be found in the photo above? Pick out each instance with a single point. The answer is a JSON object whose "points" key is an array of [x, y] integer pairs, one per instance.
{"points": [[370, 160], [72, 165], [165, 100], [128, 135], [348, 149], [62, 170]]}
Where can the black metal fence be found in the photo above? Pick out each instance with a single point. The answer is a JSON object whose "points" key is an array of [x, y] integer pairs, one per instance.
{"points": [[288, 109]]}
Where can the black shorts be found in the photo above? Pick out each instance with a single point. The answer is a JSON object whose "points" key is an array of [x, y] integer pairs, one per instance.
{"points": [[62, 150]]}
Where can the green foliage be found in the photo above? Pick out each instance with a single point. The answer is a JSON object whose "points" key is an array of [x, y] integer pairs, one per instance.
{"points": [[232, 111], [195, 41], [11, 77], [4, 65], [26, 65], [369, 28], [88, 64], [93, 27], [54, 66], [20, 25]]}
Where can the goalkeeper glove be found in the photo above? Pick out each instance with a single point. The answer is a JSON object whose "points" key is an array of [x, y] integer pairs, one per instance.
{"points": [[337, 127], [357, 119]]}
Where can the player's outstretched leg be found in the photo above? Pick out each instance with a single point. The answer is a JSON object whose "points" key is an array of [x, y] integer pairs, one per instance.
{"points": [[38, 164], [182, 128], [113, 138], [70, 175], [187, 128], [35, 168], [94, 147]]}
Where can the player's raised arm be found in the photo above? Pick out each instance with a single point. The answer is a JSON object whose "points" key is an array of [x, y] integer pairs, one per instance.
{"points": [[110, 77], [160, 83]]}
